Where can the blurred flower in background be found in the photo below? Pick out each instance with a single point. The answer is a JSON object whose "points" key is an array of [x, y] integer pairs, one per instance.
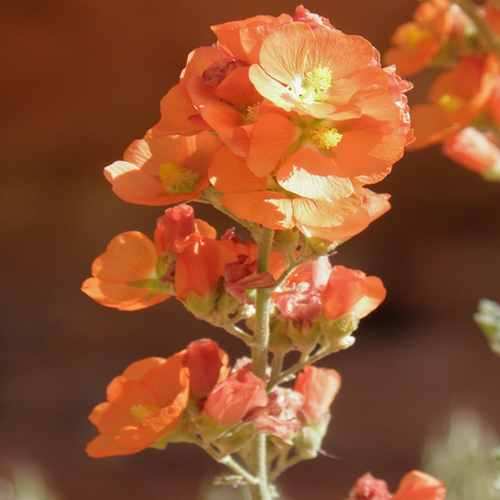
{"points": [[463, 457], [22, 479]]}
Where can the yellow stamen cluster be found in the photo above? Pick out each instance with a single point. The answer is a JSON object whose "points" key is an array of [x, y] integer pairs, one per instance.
{"points": [[450, 103], [178, 179], [325, 137], [414, 34], [253, 114], [319, 79], [141, 412]]}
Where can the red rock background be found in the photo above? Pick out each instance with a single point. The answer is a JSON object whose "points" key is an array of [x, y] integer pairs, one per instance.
{"points": [[81, 79]]}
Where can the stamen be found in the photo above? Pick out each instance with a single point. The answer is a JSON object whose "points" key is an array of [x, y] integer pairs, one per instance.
{"points": [[450, 103], [141, 412], [319, 79], [253, 114], [325, 137], [178, 179]]}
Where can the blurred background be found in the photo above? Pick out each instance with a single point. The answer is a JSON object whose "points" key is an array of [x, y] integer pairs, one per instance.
{"points": [[82, 79]]}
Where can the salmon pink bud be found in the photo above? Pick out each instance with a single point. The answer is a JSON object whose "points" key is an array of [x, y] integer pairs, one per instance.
{"points": [[196, 268], [279, 417], [369, 488], [416, 485], [319, 386], [351, 292], [232, 399], [177, 222], [207, 365]]}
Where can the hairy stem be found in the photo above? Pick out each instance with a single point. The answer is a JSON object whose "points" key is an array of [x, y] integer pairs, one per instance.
{"points": [[259, 363]]}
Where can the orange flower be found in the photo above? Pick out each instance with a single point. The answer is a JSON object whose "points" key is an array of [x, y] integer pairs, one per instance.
{"points": [[232, 399], [129, 258], [416, 43], [262, 200], [475, 151], [202, 261], [351, 292], [143, 404], [415, 485], [242, 39], [319, 387], [457, 97], [164, 170]]}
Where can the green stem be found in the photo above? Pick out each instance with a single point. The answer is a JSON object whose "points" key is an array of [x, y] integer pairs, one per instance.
{"points": [[492, 41], [238, 332], [305, 360], [277, 364], [281, 468], [259, 363]]}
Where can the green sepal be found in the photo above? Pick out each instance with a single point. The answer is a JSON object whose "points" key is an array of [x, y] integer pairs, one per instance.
{"points": [[154, 285]]}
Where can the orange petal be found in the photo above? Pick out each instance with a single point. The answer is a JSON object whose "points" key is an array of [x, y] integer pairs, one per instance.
{"points": [[130, 256], [176, 109], [272, 210], [272, 136], [309, 173], [229, 173], [417, 485]]}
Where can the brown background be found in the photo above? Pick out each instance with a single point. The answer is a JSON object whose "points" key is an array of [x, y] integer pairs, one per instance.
{"points": [[81, 79]]}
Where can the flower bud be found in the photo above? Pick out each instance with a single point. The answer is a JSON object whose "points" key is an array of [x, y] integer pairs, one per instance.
{"points": [[319, 387], [233, 398], [207, 365]]}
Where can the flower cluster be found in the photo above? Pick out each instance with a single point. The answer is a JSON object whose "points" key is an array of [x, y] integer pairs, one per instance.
{"points": [[281, 124], [194, 396], [463, 112], [287, 118]]}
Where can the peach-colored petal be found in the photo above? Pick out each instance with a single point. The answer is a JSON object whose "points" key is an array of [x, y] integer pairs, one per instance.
{"points": [[130, 256], [176, 109], [229, 173], [120, 296], [324, 213], [309, 173], [270, 209], [417, 485], [273, 135]]}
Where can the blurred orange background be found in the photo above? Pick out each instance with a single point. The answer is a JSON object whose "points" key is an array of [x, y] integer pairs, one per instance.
{"points": [[82, 79]]}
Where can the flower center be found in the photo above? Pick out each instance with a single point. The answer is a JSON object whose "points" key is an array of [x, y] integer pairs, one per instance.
{"points": [[141, 412], [450, 103], [252, 114], [308, 88], [414, 34], [319, 79], [325, 137], [178, 179]]}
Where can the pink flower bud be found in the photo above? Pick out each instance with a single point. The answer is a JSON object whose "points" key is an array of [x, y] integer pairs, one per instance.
{"points": [[369, 488], [207, 365], [319, 386], [279, 417], [351, 292], [177, 222], [232, 399]]}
